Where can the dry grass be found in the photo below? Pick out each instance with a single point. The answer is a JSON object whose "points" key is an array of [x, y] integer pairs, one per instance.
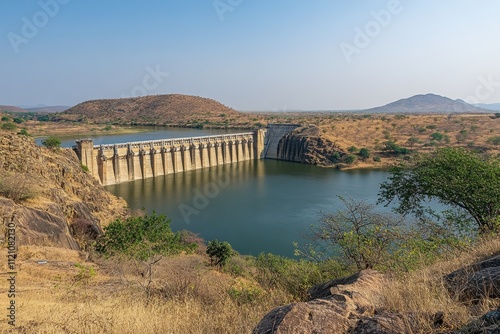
{"points": [[189, 297], [422, 294]]}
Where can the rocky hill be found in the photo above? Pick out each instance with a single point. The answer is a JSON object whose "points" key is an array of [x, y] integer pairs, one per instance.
{"points": [[45, 191], [174, 109], [4, 108], [428, 103]]}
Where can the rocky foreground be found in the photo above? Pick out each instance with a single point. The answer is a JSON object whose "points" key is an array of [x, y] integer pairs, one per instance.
{"points": [[45, 191], [351, 305]]}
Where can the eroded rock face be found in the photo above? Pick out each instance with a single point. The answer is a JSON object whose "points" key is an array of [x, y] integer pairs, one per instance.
{"points": [[306, 145], [60, 192], [338, 306]]}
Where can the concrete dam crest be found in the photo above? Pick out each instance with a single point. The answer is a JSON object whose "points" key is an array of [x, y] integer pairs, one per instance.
{"points": [[118, 163]]}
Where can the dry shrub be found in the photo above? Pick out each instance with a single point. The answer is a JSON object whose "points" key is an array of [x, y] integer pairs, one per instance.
{"points": [[16, 186]]}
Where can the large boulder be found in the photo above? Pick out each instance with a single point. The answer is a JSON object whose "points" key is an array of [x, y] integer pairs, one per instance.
{"points": [[338, 306], [476, 282]]}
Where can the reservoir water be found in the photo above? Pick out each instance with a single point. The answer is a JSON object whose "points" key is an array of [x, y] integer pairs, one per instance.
{"points": [[142, 134], [257, 206]]}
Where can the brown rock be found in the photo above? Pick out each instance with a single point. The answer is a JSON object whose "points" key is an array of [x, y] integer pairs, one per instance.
{"points": [[478, 281], [306, 145], [47, 190], [380, 324], [337, 306]]}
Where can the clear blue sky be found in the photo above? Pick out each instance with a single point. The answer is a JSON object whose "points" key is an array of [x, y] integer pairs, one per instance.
{"points": [[249, 54]]}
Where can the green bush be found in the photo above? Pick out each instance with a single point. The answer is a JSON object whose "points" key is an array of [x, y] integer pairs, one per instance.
{"points": [[52, 142], [295, 277], [494, 140], [392, 147], [437, 136], [219, 252], [9, 126], [23, 132], [353, 149], [376, 158], [364, 153], [141, 237], [350, 159], [5, 118]]}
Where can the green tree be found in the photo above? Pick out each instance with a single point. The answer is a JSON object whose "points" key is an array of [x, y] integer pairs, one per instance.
{"points": [[219, 252], [52, 142], [412, 141], [353, 149], [364, 153], [461, 179], [392, 147], [350, 159], [437, 136]]}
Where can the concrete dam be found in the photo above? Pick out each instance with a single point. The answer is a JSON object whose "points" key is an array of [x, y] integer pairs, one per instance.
{"points": [[118, 163]]}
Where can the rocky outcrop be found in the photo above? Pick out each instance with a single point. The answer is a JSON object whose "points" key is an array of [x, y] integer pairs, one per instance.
{"points": [[476, 282], [306, 145], [44, 191], [339, 306]]}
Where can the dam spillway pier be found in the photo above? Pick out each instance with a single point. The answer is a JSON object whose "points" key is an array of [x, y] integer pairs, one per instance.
{"points": [[118, 163]]}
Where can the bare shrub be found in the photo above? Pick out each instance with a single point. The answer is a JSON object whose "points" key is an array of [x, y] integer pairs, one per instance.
{"points": [[16, 187]]}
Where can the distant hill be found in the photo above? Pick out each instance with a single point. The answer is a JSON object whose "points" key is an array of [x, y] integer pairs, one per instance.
{"points": [[11, 109], [489, 106], [173, 109], [428, 103], [48, 109]]}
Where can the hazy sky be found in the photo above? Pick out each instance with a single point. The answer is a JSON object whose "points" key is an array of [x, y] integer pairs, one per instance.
{"points": [[250, 54]]}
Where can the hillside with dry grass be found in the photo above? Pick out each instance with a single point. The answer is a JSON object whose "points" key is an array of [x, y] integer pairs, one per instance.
{"points": [[174, 109], [45, 190]]}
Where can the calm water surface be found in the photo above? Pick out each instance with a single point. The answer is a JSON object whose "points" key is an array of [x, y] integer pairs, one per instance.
{"points": [[257, 206], [149, 133]]}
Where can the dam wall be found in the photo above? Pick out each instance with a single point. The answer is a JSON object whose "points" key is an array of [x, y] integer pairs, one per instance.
{"points": [[117, 163]]}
